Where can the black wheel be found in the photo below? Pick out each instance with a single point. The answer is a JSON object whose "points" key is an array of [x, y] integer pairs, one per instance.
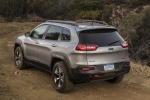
{"points": [[19, 58], [60, 77], [116, 79]]}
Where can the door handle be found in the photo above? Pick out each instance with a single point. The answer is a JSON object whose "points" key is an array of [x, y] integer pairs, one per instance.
{"points": [[54, 45]]}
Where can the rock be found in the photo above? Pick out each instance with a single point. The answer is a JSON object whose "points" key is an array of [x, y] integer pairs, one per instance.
{"points": [[16, 72]]}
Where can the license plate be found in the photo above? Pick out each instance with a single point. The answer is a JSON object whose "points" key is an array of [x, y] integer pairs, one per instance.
{"points": [[109, 67]]}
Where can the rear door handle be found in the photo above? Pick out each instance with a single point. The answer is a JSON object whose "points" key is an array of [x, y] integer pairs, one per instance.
{"points": [[54, 45]]}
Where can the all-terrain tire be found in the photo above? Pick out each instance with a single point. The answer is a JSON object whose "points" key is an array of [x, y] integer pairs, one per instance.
{"points": [[19, 58], [60, 78]]}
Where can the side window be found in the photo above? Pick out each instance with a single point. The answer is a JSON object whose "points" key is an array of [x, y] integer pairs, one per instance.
{"points": [[39, 32], [66, 35], [53, 33]]}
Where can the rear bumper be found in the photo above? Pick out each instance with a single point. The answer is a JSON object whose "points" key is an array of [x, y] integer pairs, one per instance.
{"points": [[98, 73]]}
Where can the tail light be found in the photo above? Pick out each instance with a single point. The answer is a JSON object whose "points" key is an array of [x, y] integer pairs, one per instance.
{"points": [[86, 47], [87, 68], [124, 44]]}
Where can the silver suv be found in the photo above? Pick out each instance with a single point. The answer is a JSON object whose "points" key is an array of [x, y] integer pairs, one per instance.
{"points": [[74, 52]]}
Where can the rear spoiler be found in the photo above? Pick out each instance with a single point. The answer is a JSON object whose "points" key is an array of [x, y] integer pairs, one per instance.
{"points": [[100, 30]]}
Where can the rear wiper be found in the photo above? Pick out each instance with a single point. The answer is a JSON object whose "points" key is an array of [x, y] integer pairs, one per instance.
{"points": [[113, 42]]}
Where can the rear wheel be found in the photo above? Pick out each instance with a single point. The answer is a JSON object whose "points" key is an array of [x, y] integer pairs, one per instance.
{"points": [[116, 79], [60, 77], [19, 58]]}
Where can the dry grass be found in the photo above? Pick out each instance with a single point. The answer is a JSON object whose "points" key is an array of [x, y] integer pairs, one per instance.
{"points": [[138, 69], [6, 28]]}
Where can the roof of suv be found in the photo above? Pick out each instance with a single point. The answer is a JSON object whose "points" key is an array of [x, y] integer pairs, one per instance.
{"points": [[81, 25]]}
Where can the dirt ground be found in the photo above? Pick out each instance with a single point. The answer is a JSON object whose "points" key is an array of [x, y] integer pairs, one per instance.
{"points": [[35, 84]]}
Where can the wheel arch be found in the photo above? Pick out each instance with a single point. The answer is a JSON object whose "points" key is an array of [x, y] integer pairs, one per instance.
{"points": [[62, 57], [19, 44]]}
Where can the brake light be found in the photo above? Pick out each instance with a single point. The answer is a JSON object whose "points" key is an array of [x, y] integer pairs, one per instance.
{"points": [[86, 47], [87, 68], [124, 44]]}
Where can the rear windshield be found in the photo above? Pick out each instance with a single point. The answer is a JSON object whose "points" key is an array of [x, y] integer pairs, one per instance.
{"points": [[101, 38]]}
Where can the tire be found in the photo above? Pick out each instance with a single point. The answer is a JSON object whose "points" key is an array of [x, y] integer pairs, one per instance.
{"points": [[60, 78], [19, 58], [116, 79]]}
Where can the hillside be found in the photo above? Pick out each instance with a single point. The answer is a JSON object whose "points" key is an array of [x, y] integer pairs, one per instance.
{"points": [[64, 9]]}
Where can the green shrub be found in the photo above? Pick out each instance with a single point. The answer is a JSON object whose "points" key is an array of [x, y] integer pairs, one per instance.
{"points": [[90, 5], [107, 12], [135, 28], [95, 15]]}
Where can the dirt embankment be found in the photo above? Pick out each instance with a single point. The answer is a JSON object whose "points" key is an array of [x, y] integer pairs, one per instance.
{"points": [[34, 84]]}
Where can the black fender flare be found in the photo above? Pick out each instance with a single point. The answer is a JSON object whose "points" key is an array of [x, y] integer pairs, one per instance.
{"points": [[66, 60], [21, 45], [18, 44]]}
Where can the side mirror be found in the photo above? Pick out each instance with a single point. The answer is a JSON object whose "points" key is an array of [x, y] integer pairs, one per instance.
{"points": [[27, 34]]}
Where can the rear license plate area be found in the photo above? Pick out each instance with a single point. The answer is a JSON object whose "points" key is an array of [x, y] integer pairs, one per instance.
{"points": [[109, 67]]}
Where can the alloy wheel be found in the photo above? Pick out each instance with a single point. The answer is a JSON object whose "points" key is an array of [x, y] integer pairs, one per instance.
{"points": [[58, 77], [18, 57]]}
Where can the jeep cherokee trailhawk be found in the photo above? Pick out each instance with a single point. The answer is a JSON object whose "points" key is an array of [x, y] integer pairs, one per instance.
{"points": [[74, 52]]}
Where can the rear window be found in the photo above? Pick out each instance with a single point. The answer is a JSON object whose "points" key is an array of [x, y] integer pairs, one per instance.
{"points": [[102, 38]]}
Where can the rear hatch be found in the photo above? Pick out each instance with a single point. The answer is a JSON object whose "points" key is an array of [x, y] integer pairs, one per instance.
{"points": [[103, 46]]}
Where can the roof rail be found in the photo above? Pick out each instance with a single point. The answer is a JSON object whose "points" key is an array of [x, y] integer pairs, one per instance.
{"points": [[92, 21], [63, 22]]}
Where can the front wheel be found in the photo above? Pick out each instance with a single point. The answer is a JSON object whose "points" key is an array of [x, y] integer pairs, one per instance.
{"points": [[116, 79], [19, 58], [60, 77]]}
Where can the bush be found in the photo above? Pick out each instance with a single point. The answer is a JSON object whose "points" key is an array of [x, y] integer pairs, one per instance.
{"points": [[34, 18], [139, 9], [107, 12], [90, 5], [128, 25], [94, 15], [142, 43], [135, 28]]}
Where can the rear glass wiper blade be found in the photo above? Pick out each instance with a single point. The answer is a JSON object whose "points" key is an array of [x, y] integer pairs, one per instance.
{"points": [[113, 42]]}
